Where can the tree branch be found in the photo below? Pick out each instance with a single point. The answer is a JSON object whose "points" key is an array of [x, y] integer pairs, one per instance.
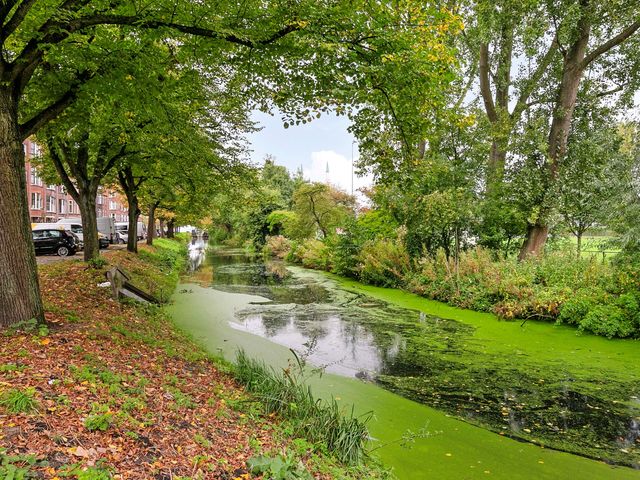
{"points": [[611, 43], [6, 8], [55, 32], [32, 125], [530, 85], [16, 19], [62, 172], [617, 89], [485, 87]]}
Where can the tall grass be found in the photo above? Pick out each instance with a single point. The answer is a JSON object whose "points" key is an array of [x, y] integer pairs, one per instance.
{"points": [[286, 394]]}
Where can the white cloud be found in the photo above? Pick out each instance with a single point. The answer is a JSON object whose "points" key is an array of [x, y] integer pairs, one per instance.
{"points": [[340, 172]]}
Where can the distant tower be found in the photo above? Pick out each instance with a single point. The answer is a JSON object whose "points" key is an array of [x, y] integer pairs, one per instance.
{"points": [[326, 180]]}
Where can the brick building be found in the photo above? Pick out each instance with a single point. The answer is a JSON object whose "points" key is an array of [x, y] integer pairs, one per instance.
{"points": [[50, 203]]}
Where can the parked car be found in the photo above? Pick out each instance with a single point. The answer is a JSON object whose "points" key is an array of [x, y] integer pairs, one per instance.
{"points": [[103, 241], [55, 240], [73, 224]]}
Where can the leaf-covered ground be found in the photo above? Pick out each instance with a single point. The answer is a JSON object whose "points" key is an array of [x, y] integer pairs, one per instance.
{"points": [[112, 390]]}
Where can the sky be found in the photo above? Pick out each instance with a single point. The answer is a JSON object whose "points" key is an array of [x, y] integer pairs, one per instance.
{"points": [[311, 146]]}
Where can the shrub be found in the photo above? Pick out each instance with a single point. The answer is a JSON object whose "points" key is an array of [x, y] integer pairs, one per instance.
{"points": [[575, 308], [384, 262], [609, 321], [314, 254], [344, 255], [277, 246]]}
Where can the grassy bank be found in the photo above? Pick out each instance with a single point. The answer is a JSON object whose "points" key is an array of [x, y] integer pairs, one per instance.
{"points": [[111, 389], [595, 296]]}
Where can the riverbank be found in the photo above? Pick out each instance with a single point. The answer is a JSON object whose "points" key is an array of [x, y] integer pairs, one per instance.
{"points": [[596, 297], [538, 382], [112, 389]]}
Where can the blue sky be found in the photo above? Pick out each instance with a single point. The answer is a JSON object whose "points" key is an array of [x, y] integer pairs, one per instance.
{"points": [[312, 146]]}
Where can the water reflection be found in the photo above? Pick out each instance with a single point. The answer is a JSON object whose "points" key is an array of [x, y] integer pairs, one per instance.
{"points": [[196, 253], [432, 360]]}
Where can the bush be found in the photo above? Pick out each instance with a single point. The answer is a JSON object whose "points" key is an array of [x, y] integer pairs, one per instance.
{"points": [[344, 255], [314, 254], [575, 308], [609, 321], [384, 262], [277, 246]]}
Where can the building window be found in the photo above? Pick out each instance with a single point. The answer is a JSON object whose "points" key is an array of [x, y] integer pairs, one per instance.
{"points": [[35, 150], [61, 206], [35, 179], [51, 203], [36, 201], [113, 205], [51, 187], [99, 199]]}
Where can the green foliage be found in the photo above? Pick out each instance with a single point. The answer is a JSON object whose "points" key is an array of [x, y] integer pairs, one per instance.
{"points": [[282, 222], [18, 467], [383, 262], [17, 400], [100, 419], [320, 209], [278, 468], [286, 394], [101, 471], [609, 321], [313, 254], [98, 262]]}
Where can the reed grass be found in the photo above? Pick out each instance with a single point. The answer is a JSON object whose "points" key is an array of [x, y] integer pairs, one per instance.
{"points": [[285, 393]]}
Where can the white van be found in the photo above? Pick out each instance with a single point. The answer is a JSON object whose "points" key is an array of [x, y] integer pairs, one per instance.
{"points": [[123, 230], [107, 227], [75, 226]]}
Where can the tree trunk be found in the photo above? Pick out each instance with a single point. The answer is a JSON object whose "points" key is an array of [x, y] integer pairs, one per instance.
{"points": [[151, 228], [87, 205], [170, 226], [534, 243], [130, 187], [19, 290], [572, 71], [134, 212], [579, 246], [161, 222]]}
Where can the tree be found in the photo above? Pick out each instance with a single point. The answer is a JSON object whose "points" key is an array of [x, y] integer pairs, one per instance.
{"points": [[49, 52], [594, 173], [320, 208], [559, 42]]}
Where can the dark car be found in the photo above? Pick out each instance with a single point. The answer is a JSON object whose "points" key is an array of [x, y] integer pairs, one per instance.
{"points": [[103, 241], [56, 241]]}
